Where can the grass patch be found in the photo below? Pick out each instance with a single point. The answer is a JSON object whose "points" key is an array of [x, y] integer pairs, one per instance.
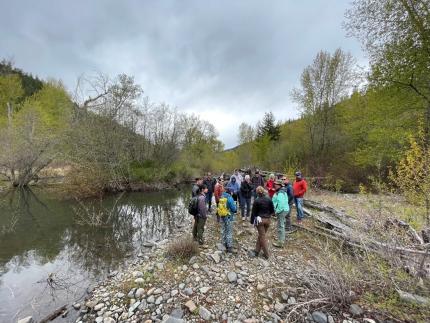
{"points": [[182, 249]]}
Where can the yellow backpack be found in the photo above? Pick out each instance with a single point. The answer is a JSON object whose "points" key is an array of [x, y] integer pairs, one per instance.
{"points": [[222, 207]]}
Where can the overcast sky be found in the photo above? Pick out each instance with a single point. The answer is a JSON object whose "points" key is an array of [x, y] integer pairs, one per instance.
{"points": [[227, 61]]}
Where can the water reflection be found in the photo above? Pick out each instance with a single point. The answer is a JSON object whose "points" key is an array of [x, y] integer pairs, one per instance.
{"points": [[48, 240]]}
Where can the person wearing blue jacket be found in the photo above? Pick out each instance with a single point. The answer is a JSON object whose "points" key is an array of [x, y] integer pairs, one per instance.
{"points": [[233, 187], [226, 210]]}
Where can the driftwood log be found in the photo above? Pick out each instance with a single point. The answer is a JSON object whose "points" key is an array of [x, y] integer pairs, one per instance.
{"points": [[54, 314], [339, 226]]}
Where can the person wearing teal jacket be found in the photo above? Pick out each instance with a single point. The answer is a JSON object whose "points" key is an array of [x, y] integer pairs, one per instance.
{"points": [[280, 202]]}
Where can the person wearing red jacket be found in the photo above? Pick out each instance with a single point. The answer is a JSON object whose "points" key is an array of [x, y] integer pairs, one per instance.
{"points": [[270, 185], [299, 188]]}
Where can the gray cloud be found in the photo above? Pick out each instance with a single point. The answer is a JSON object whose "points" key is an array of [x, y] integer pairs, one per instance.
{"points": [[229, 61]]}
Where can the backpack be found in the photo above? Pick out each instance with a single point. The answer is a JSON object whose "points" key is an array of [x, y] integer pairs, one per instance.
{"points": [[193, 206], [222, 207]]}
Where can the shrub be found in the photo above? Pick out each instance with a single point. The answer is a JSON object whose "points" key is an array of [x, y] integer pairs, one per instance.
{"points": [[182, 249]]}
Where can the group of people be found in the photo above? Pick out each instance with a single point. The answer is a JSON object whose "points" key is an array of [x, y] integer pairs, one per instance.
{"points": [[258, 201]]}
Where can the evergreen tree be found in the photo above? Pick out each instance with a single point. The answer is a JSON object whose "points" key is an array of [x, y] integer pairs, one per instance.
{"points": [[268, 127]]}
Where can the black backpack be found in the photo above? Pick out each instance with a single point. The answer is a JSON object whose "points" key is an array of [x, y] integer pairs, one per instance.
{"points": [[193, 206]]}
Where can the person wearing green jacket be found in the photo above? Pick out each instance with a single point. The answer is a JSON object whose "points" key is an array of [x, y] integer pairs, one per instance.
{"points": [[280, 202]]}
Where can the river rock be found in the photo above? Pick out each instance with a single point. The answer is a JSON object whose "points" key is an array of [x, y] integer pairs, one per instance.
{"points": [[188, 291], [119, 295], [193, 260], [284, 296], [319, 317], [133, 307], [279, 307], [291, 300], [191, 306], [76, 306], [99, 306], [150, 299], [177, 313], [139, 280], [99, 319], [91, 304], [355, 310], [204, 290], [171, 319], [139, 293], [137, 274], [159, 300], [27, 319], [412, 298], [216, 257], [158, 291], [108, 320], [204, 313], [232, 277]]}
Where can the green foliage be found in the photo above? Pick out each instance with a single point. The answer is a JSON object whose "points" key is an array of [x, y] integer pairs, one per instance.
{"points": [[412, 175], [29, 83], [268, 128]]}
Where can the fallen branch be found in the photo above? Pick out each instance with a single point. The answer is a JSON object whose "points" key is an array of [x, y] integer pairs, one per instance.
{"points": [[54, 314], [296, 307]]}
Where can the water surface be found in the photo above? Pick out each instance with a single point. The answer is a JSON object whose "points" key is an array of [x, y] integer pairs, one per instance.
{"points": [[43, 237]]}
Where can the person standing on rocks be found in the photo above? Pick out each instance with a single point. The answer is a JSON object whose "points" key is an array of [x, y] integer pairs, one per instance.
{"points": [[270, 185], [280, 202], [246, 194], [210, 184], [200, 218], [288, 188], [196, 187], [239, 180], [257, 180], [226, 210], [299, 187], [233, 187], [219, 188], [262, 210]]}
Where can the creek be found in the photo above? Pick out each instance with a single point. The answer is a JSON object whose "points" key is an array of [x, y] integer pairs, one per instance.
{"points": [[50, 254]]}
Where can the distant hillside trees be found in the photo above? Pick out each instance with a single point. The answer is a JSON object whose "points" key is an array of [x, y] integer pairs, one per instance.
{"points": [[324, 83]]}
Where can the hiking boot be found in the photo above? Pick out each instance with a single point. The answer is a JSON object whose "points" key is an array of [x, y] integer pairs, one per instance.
{"points": [[230, 250], [265, 257], [278, 244]]}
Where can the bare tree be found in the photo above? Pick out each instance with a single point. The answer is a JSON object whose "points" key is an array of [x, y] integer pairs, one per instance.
{"points": [[324, 83]]}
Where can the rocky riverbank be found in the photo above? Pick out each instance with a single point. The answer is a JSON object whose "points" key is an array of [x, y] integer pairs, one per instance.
{"points": [[213, 286]]}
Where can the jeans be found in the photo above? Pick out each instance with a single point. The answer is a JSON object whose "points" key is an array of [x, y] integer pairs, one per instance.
{"points": [[245, 202], [227, 230], [262, 228], [199, 229], [281, 226], [299, 206], [209, 199]]}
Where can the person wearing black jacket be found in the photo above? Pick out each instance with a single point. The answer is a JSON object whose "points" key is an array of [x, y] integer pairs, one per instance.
{"points": [[210, 184], [262, 210], [246, 193]]}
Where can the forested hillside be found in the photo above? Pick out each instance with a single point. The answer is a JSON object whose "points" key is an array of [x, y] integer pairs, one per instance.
{"points": [[107, 134], [357, 127]]}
